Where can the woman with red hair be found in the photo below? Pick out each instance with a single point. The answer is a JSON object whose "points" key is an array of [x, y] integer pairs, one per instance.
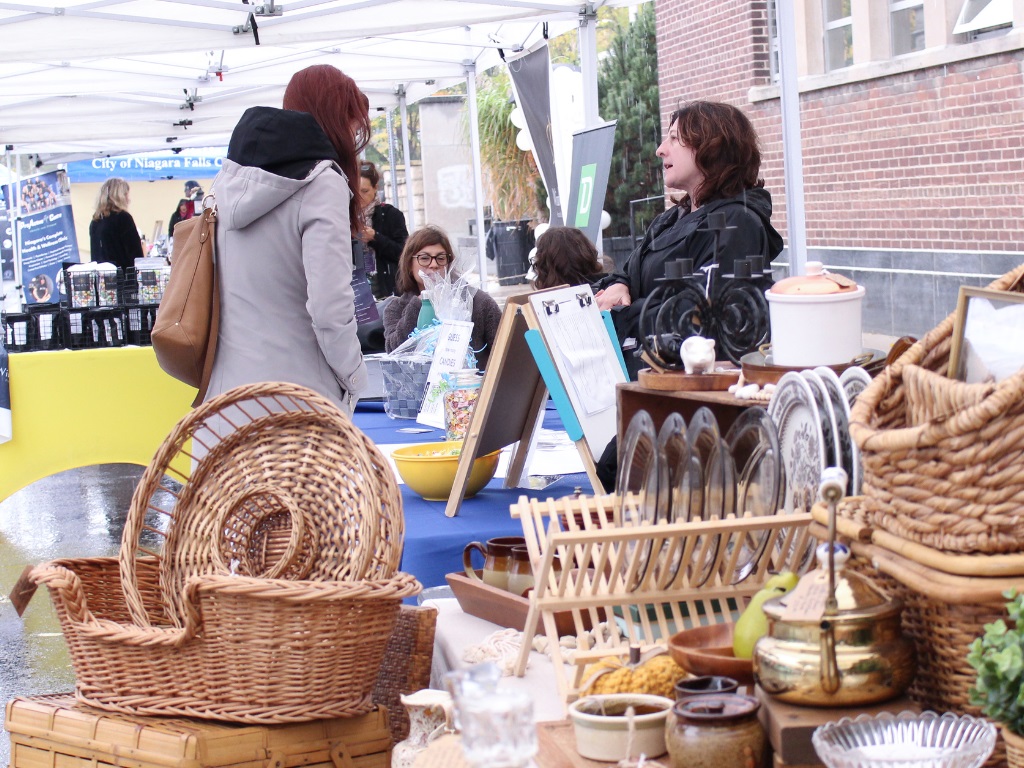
{"points": [[287, 212]]}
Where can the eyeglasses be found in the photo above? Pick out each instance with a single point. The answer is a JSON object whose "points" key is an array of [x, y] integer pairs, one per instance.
{"points": [[424, 259]]}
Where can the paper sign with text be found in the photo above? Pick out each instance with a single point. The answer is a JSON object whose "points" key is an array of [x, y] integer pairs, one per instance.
{"points": [[449, 355]]}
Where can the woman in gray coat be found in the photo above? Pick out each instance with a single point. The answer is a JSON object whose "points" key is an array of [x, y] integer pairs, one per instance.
{"points": [[285, 213]]}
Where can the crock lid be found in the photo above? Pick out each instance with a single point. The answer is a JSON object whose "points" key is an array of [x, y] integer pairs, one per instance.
{"points": [[716, 707], [816, 282]]}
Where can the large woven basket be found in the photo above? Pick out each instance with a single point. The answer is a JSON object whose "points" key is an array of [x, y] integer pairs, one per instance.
{"points": [[287, 487], [274, 592], [264, 651], [943, 460]]}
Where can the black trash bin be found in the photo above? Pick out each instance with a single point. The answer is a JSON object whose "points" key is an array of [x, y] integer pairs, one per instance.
{"points": [[509, 243]]}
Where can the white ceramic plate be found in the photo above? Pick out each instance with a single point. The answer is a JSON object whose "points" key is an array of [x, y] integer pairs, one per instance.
{"points": [[829, 430], [798, 422], [638, 474], [849, 454], [854, 380]]}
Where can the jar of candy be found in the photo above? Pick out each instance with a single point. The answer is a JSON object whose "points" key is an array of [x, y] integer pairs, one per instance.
{"points": [[463, 389]]}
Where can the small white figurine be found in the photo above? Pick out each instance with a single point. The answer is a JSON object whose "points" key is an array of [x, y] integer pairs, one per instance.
{"points": [[698, 355]]}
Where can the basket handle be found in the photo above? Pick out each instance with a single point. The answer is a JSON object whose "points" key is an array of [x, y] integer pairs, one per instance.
{"points": [[301, 528], [66, 582]]}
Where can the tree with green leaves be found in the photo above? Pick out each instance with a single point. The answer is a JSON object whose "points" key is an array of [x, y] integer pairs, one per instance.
{"points": [[628, 93]]}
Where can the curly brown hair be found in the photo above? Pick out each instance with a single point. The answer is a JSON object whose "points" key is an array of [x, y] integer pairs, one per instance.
{"points": [[405, 280], [725, 147], [565, 256]]}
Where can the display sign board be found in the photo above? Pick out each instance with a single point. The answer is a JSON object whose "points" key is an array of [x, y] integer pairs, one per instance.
{"points": [[151, 166], [45, 229]]}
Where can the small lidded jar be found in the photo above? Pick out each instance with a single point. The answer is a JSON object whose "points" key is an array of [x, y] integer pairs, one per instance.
{"points": [[459, 400], [715, 730]]}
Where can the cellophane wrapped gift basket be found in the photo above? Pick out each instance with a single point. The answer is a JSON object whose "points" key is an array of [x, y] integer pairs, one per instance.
{"points": [[940, 524], [257, 575]]}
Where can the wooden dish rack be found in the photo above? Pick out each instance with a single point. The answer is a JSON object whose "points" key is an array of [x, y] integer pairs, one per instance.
{"points": [[586, 564]]}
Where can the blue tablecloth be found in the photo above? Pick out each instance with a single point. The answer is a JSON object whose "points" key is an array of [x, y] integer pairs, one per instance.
{"points": [[433, 542]]}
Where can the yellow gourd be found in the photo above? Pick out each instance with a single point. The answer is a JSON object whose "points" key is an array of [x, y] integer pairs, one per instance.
{"points": [[655, 676]]}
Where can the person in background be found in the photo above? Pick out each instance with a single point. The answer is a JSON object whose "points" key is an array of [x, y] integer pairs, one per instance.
{"points": [[711, 154], [565, 256], [428, 250], [184, 211], [113, 236], [287, 210], [194, 192], [384, 232]]}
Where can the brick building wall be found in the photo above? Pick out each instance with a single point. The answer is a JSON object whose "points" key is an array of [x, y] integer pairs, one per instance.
{"points": [[913, 180]]}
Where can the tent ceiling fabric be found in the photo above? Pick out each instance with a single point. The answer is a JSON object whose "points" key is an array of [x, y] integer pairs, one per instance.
{"points": [[108, 76]]}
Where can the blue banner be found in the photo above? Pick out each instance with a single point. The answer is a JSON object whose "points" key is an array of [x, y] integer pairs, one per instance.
{"points": [[46, 235], [151, 166]]}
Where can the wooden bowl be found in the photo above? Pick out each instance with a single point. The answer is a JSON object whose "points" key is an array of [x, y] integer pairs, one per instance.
{"points": [[708, 651]]}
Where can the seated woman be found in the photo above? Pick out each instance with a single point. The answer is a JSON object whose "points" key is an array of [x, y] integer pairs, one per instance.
{"points": [[565, 256], [428, 250]]}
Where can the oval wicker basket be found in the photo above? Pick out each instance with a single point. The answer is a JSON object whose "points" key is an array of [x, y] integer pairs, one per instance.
{"points": [[286, 487], [275, 591], [953, 481]]}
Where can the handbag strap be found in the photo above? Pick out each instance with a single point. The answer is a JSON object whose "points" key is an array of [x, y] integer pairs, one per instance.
{"points": [[208, 231]]}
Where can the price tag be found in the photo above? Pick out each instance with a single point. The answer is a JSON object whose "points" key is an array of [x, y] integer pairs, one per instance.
{"points": [[806, 601], [449, 355], [23, 590]]}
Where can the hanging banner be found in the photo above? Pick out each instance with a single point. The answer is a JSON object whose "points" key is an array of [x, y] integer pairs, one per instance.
{"points": [[530, 75], [6, 240], [591, 161], [5, 393], [46, 234], [151, 166]]}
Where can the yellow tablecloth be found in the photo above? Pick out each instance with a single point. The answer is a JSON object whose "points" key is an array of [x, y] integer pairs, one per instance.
{"points": [[73, 408]]}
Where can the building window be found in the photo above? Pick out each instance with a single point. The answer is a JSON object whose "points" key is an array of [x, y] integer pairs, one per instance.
{"points": [[983, 18], [773, 42], [907, 25], [838, 34]]}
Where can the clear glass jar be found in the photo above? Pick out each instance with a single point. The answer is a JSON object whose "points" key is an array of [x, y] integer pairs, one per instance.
{"points": [[463, 390]]}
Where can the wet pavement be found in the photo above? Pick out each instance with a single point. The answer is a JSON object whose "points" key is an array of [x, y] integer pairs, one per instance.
{"points": [[77, 513]]}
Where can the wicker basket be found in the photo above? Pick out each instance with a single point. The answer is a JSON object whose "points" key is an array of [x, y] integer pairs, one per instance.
{"points": [[943, 463], [287, 487], [264, 651], [275, 592]]}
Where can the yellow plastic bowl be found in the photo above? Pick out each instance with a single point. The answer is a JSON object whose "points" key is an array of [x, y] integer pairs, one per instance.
{"points": [[432, 476]]}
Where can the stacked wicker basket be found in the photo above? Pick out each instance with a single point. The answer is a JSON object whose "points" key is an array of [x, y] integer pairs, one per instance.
{"points": [[275, 590], [941, 520]]}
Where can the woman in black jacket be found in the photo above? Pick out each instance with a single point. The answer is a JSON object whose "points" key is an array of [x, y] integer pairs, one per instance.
{"points": [[384, 232], [113, 236], [712, 155]]}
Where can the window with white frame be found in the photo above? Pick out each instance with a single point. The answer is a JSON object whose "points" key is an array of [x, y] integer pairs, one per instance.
{"points": [[773, 41], [906, 25], [838, 18], [984, 18]]}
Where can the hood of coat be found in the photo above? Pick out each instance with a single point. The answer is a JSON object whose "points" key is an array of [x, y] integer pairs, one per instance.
{"points": [[273, 154], [758, 201]]}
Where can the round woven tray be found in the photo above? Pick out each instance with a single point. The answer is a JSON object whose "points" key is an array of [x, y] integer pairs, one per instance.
{"points": [[283, 486]]}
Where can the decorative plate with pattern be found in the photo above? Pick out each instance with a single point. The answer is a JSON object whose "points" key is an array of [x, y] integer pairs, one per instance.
{"points": [[849, 454], [829, 430], [798, 422], [854, 380]]}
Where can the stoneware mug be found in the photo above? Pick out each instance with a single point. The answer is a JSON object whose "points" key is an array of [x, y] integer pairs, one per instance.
{"points": [[520, 571], [497, 554]]}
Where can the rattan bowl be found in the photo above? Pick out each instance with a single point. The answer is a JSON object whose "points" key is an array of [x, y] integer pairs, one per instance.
{"points": [[429, 469], [906, 740]]}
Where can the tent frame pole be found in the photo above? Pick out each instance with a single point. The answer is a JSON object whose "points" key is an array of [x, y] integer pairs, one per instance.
{"points": [[410, 194], [478, 176], [792, 157]]}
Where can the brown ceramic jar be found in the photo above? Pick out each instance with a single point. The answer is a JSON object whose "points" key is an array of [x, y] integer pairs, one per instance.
{"points": [[716, 730]]}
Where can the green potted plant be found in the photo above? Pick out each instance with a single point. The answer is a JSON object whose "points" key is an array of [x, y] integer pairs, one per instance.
{"points": [[998, 658]]}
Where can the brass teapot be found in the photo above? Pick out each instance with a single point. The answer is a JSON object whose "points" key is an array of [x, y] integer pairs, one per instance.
{"points": [[850, 654]]}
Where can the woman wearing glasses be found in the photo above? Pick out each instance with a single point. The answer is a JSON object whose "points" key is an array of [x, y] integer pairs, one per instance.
{"points": [[428, 251]]}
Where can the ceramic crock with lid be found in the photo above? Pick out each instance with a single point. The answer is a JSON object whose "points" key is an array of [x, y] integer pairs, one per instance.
{"points": [[715, 730], [816, 318]]}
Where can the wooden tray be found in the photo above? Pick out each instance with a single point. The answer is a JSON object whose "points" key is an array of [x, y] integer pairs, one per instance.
{"points": [[677, 381], [500, 607]]}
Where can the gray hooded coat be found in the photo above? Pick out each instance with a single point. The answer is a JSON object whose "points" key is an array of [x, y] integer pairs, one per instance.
{"points": [[284, 256]]}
